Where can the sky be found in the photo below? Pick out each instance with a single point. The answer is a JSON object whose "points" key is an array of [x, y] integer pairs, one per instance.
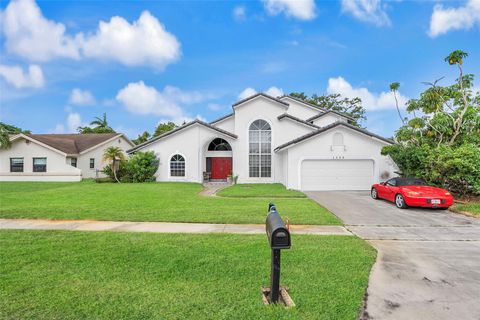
{"points": [[62, 63]]}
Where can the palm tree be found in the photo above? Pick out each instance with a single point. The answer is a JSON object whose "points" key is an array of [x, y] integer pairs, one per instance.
{"points": [[111, 155], [394, 88], [100, 122]]}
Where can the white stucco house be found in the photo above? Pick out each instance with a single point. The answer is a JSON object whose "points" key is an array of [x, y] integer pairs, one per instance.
{"points": [[57, 157], [266, 140]]}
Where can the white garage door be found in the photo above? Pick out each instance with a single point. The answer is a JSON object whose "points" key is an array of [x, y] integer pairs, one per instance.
{"points": [[343, 174]]}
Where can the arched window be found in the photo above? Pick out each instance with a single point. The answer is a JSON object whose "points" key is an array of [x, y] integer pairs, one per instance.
{"points": [[260, 149], [177, 166], [219, 144], [337, 139]]}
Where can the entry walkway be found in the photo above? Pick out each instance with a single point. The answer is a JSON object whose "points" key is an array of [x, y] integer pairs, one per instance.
{"points": [[161, 227]]}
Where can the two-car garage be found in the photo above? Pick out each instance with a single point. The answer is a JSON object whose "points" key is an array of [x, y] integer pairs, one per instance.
{"points": [[336, 174]]}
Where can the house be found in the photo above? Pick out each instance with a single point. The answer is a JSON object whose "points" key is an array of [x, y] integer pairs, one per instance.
{"points": [[274, 140], [57, 157]]}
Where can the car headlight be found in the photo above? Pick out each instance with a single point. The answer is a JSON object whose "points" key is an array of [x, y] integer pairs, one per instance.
{"points": [[413, 193]]}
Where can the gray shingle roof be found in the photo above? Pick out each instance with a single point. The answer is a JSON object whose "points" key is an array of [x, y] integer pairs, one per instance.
{"points": [[304, 102], [330, 111], [289, 116], [141, 145], [331, 126], [260, 94], [222, 118], [73, 143]]}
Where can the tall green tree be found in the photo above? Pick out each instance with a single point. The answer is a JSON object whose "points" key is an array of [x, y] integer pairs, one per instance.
{"points": [[141, 138], [350, 107], [6, 130], [394, 88], [442, 143], [112, 155], [98, 125], [164, 128]]}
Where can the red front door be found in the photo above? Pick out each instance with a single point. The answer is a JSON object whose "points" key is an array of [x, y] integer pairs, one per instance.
{"points": [[221, 168]]}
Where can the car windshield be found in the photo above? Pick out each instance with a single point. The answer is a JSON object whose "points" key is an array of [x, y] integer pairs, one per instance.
{"points": [[410, 182]]}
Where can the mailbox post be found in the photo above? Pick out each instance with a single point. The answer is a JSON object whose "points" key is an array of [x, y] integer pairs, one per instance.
{"points": [[278, 238]]}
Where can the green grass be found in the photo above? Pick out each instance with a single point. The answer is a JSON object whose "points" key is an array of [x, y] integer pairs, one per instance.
{"points": [[101, 275], [472, 208], [178, 202], [275, 190]]}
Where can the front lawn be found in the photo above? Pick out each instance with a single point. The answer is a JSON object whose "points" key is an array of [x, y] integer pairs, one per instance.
{"points": [[177, 202], [101, 275], [472, 208], [274, 190]]}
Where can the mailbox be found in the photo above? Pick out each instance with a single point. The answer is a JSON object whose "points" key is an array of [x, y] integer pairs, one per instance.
{"points": [[278, 235], [278, 238]]}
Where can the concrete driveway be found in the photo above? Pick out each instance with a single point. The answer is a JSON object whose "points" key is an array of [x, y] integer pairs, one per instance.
{"points": [[428, 264]]}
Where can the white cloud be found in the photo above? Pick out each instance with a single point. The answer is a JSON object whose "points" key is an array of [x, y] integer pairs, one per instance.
{"points": [[239, 13], [444, 20], [299, 9], [73, 122], [370, 101], [371, 11], [15, 75], [274, 92], [247, 92], [81, 97], [144, 42], [32, 36], [141, 99], [215, 107]]}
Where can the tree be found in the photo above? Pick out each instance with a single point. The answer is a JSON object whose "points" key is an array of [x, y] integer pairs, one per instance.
{"points": [[442, 144], [350, 107], [141, 138], [6, 130], [163, 128], [98, 125], [394, 88], [112, 155]]}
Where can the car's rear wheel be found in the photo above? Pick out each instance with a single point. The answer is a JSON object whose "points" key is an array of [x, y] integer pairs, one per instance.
{"points": [[374, 193], [400, 202]]}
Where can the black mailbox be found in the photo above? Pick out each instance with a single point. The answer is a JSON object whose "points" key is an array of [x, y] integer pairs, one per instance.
{"points": [[279, 238], [278, 235]]}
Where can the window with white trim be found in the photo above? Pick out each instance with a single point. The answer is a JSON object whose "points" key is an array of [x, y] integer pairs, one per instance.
{"points": [[16, 164], [39, 164], [260, 149], [177, 166]]}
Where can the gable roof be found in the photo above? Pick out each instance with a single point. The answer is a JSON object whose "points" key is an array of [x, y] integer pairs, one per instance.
{"points": [[289, 116], [73, 143], [303, 102], [330, 111], [166, 134], [222, 118], [262, 95], [331, 126]]}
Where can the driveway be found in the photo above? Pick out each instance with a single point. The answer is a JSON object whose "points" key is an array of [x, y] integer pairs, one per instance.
{"points": [[428, 264]]}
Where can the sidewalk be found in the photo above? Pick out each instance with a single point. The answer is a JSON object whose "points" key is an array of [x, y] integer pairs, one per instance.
{"points": [[160, 227]]}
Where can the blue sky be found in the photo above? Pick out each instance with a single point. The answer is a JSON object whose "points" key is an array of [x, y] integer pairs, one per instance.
{"points": [[62, 63]]}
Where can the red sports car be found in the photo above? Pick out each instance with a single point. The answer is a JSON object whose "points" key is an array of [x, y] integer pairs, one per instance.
{"points": [[412, 192]]}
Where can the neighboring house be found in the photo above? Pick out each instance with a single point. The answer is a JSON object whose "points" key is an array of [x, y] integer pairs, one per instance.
{"points": [[268, 140], [57, 157]]}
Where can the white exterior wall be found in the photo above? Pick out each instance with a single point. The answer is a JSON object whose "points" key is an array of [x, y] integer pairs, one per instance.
{"points": [[300, 110], [192, 144], [328, 119], [357, 146], [227, 124], [57, 167], [83, 160]]}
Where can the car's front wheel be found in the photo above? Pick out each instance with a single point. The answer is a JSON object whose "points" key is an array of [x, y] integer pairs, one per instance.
{"points": [[400, 202], [374, 193]]}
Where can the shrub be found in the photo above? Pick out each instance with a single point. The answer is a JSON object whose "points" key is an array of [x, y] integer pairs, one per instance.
{"points": [[456, 168], [121, 172], [141, 167]]}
